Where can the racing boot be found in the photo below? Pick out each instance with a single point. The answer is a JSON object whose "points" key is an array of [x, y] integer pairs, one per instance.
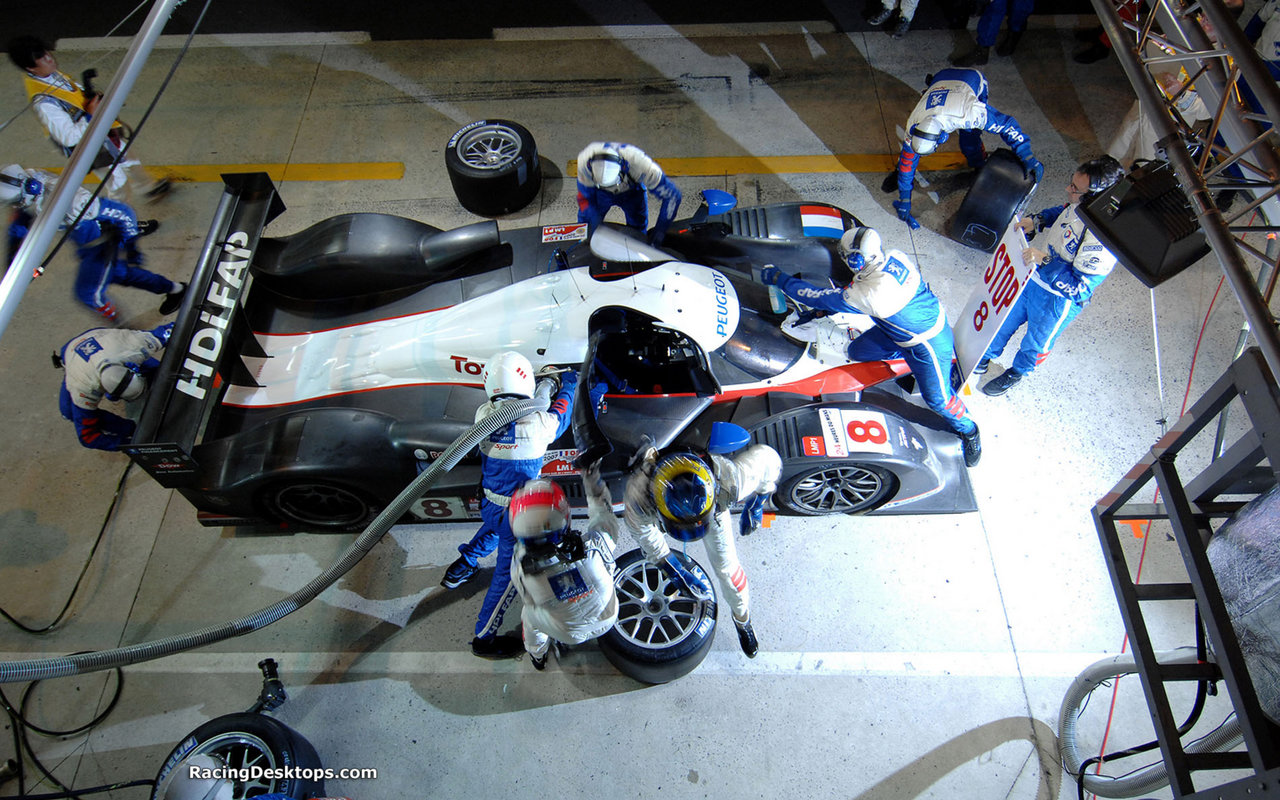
{"points": [[747, 638], [1002, 383], [539, 662], [880, 18], [494, 648], [971, 445], [458, 573], [173, 300], [900, 30]]}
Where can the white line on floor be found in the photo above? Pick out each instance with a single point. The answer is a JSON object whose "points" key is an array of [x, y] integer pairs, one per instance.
{"points": [[586, 660]]}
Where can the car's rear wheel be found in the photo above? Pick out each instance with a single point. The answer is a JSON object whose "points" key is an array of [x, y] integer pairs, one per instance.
{"points": [[493, 166], [836, 487], [319, 504], [662, 633]]}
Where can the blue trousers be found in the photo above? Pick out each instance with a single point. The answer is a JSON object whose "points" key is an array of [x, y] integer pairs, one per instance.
{"points": [[1018, 11], [1046, 316], [594, 203], [930, 363], [495, 533], [102, 266]]}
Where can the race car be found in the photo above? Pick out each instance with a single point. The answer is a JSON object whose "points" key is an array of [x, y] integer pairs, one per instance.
{"points": [[311, 376]]}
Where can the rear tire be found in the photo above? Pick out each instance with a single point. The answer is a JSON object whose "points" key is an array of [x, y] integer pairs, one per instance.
{"points": [[493, 166], [662, 633], [320, 505]]}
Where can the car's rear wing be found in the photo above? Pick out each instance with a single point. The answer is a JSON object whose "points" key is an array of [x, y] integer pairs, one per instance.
{"points": [[210, 334]]}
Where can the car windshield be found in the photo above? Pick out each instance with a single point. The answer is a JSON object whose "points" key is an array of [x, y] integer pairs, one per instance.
{"points": [[758, 350]]}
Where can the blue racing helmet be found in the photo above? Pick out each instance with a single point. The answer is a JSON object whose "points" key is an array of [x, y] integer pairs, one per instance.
{"points": [[684, 491]]}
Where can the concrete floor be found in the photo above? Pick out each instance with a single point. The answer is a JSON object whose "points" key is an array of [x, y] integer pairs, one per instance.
{"points": [[901, 657]]}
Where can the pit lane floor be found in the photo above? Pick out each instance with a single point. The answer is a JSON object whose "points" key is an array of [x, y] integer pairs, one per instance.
{"points": [[901, 657]]}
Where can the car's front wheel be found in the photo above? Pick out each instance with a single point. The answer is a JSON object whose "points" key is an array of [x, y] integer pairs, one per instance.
{"points": [[836, 487], [662, 633], [319, 504]]}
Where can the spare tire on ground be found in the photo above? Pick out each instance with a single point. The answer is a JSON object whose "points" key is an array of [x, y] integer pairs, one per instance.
{"points": [[493, 166]]}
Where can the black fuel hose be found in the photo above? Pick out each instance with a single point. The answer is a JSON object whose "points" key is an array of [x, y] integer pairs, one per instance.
{"points": [[61, 666]]}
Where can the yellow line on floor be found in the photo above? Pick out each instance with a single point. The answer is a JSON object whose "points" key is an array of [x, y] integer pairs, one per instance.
{"points": [[777, 165], [212, 173]]}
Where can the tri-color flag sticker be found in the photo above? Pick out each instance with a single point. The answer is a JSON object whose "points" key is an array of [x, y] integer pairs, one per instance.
{"points": [[822, 221]]}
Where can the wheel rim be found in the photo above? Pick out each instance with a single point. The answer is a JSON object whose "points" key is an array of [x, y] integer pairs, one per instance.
{"points": [[489, 147], [241, 752], [837, 489], [321, 504], [652, 611]]}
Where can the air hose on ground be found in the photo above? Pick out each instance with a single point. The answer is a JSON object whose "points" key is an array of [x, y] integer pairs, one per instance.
{"points": [[1144, 780], [42, 669]]}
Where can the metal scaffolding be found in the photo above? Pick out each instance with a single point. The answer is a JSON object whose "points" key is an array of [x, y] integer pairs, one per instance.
{"points": [[1236, 151]]}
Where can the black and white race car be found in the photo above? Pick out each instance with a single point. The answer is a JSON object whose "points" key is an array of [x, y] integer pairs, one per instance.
{"points": [[309, 375]]}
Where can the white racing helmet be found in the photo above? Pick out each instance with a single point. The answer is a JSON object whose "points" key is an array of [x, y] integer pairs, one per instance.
{"points": [[17, 187], [926, 135], [861, 248], [605, 169], [539, 511], [121, 383], [508, 374]]}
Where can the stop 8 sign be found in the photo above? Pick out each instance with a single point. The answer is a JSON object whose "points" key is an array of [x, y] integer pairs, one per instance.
{"points": [[845, 432], [1003, 279]]}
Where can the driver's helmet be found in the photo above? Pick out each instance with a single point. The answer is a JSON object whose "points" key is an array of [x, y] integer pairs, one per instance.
{"points": [[539, 512], [861, 248], [119, 382], [926, 135], [17, 187], [684, 491], [605, 169], [508, 374]]}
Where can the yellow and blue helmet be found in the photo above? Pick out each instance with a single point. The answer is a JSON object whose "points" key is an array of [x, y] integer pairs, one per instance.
{"points": [[684, 490]]}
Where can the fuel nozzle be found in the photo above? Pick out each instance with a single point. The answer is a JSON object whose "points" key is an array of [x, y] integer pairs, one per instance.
{"points": [[273, 694]]}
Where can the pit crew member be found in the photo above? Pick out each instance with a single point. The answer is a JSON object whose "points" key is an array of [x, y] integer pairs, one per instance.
{"points": [[955, 100], [509, 457], [105, 231], [1072, 263], [687, 495], [616, 174], [564, 578], [909, 323], [111, 364]]}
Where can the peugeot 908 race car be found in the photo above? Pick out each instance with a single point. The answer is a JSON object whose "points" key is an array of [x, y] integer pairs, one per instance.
{"points": [[310, 376]]}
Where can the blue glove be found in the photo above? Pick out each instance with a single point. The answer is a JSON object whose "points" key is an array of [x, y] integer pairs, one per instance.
{"points": [[904, 213], [598, 392], [685, 580], [770, 275], [1033, 168], [752, 515]]}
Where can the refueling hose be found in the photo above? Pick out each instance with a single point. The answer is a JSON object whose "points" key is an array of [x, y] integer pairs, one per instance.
{"points": [[506, 412], [1144, 780]]}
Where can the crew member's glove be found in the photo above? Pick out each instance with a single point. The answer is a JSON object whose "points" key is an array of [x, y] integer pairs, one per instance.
{"points": [[688, 583], [1032, 168], [752, 515], [656, 234], [770, 275], [904, 213]]}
